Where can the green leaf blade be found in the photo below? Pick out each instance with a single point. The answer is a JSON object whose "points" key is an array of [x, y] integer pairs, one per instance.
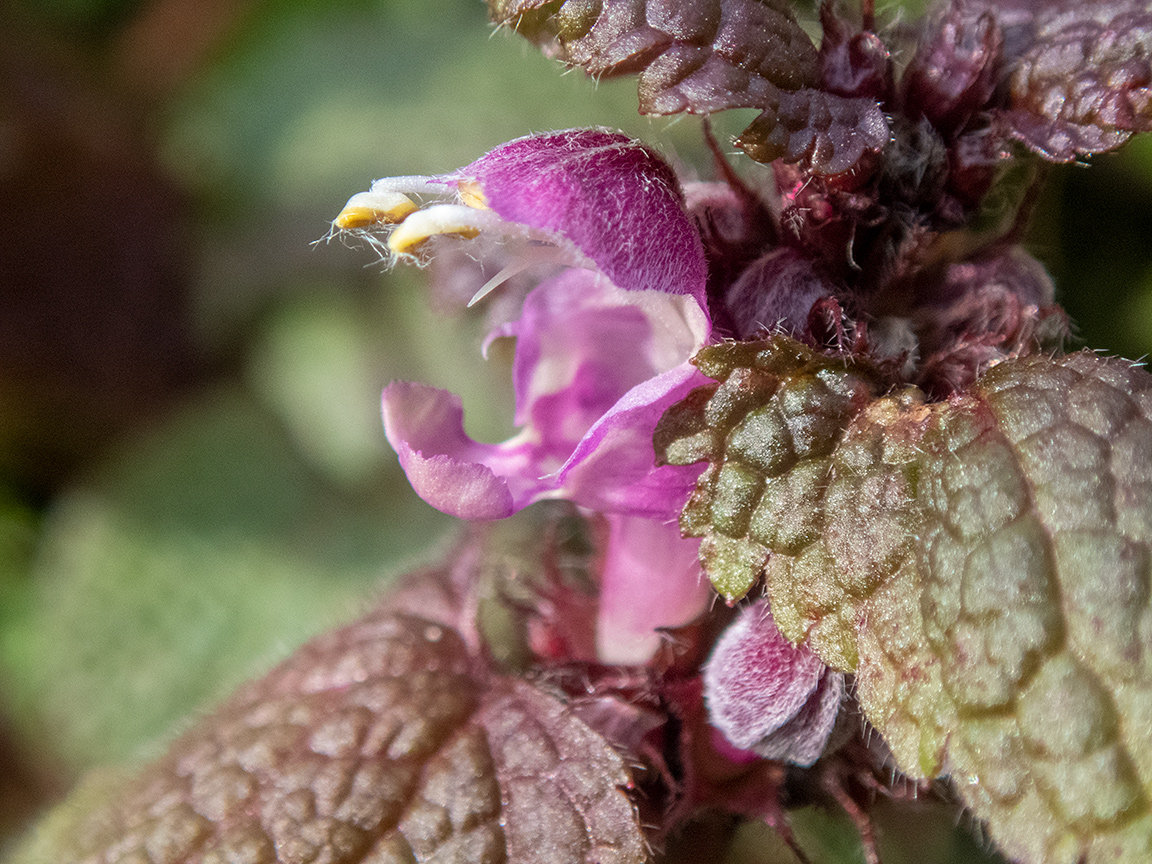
{"points": [[984, 566]]}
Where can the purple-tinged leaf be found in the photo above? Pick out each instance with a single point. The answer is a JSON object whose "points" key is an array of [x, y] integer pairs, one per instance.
{"points": [[698, 57], [1083, 82], [984, 566], [561, 783], [826, 132], [953, 72], [852, 63], [706, 56], [385, 741]]}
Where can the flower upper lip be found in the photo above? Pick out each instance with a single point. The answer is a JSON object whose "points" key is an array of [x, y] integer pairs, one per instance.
{"points": [[596, 194]]}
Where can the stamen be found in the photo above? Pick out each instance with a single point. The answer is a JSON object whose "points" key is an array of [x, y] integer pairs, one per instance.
{"points": [[422, 225], [413, 184], [472, 195], [366, 209]]}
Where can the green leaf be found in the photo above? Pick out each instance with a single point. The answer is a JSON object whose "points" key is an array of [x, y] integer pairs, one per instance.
{"points": [[984, 565], [768, 431]]}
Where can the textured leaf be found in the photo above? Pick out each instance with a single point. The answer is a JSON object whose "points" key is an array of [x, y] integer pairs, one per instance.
{"points": [[829, 133], [1034, 544], [767, 432], [699, 57], [1083, 84], [984, 566], [384, 742], [707, 56]]}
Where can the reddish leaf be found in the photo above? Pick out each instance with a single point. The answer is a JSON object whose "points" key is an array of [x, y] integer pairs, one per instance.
{"points": [[709, 55], [828, 133], [698, 57], [953, 73], [1083, 84], [981, 564], [385, 741]]}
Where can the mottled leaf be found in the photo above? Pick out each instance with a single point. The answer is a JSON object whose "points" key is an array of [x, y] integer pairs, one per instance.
{"points": [[699, 57], [1034, 535], [828, 133], [1083, 83], [767, 431], [984, 565], [384, 741], [707, 56]]}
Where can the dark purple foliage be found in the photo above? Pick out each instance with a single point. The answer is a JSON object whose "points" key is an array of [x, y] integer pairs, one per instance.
{"points": [[953, 73], [826, 132], [776, 291], [386, 740], [702, 56], [1083, 81], [710, 55]]}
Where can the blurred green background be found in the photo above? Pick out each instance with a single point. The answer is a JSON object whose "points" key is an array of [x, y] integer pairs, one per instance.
{"points": [[193, 478]]}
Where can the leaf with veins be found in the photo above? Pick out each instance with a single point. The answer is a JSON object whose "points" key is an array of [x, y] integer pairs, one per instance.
{"points": [[385, 741]]}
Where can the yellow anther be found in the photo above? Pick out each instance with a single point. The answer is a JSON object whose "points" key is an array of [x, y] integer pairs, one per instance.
{"points": [[366, 209], [444, 219], [357, 217], [472, 195]]}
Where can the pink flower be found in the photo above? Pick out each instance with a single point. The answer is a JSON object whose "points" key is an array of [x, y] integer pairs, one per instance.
{"points": [[602, 348], [651, 579], [602, 351]]}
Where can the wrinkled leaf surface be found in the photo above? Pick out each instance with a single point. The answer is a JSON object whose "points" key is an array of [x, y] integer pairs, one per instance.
{"points": [[984, 565], [708, 56], [383, 742]]}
